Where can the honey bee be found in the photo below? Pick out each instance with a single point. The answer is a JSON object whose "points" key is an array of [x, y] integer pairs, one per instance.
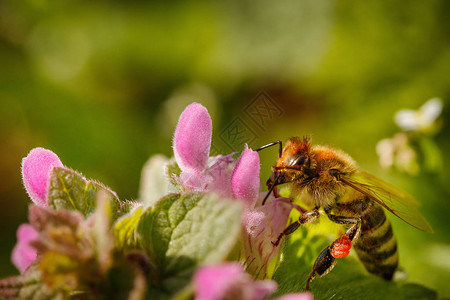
{"points": [[328, 178]]}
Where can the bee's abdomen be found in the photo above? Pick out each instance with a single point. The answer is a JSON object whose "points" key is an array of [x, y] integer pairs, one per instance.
{"points": [[377, 245]]}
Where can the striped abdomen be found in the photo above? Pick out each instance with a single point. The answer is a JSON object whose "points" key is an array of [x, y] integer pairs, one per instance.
{"points": [[376, 246]]}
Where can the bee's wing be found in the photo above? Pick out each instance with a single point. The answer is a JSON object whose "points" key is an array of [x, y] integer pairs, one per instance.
{"points": [[393, 199]]}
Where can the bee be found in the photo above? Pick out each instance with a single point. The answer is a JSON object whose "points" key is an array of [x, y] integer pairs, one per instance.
{"points": [[329, 179]]}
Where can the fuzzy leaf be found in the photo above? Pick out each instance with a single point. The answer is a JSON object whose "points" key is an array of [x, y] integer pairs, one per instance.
{"points": [[124, 229], [172, 172], [185, 231], [124, 280], [154, 181], [348, 279], [70, 190], [27, 286], [66, 257]]}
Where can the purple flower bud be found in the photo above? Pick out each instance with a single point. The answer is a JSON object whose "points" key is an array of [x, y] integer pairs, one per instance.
{"points": [[36, 171], [191, 145], [23, 253], [229, 281], [192, 139], [245, 178]]}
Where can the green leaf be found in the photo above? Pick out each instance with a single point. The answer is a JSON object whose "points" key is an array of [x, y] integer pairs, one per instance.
{"points": [[70, 190], [124, 229], [68, 247], [348, 279], [155, 181], [124, 280], [27, 286], [185, 231], [172, 172], [77, 256]]}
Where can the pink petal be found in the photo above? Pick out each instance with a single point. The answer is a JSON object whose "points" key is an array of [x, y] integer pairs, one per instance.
{"points": [[36, 171], [23, 253], [245, 179], [229, 281], [299, 296], [220, 169], [212, 282], [195, 182], [259, 289], [261, 226], [215, 178], [192, 138]]}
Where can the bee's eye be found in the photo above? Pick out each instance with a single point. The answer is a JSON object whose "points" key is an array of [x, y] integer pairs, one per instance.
{"points": [[300, 161]]}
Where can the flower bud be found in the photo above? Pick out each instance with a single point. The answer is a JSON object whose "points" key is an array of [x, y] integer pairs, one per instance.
{"points": [[23, 253], [36, 172]]}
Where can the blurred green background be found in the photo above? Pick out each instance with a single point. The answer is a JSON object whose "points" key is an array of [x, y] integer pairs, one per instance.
{"points": [[102, 83]]}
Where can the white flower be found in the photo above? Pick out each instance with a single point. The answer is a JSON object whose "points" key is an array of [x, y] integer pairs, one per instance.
{"points": [[420, 119], [397, 152]]}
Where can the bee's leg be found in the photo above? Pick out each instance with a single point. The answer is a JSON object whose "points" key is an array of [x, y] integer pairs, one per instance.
{"points": [[307, 217], [353, 231], [323, 264], [338, 249]]}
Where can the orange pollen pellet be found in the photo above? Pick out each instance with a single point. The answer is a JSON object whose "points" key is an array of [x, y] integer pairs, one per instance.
{"points": [[341, 247]]}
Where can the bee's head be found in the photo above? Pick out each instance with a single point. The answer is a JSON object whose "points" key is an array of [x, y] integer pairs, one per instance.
{"points": [[295, 162]]}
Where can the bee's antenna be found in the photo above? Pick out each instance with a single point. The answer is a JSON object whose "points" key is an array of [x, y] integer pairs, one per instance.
{"points": [[275, 182], [280, 149]]}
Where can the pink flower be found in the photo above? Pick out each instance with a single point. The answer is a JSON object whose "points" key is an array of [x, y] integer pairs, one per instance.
{"points": [[229, 281], [36, 171], [220, 174], [191, 146], [228, 178], [192, 139], [245, 178], [261, 226], [23, 253]]}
